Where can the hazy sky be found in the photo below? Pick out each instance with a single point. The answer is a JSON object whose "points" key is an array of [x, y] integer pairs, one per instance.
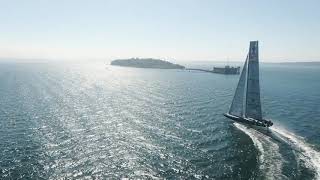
{"points": [[288, 30]]}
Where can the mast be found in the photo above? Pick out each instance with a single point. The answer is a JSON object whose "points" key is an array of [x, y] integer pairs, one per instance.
{"points": [[253, 102]]}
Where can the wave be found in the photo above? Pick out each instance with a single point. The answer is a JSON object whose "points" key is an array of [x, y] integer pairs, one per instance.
{"points": [[306, 152], [270, 159]]}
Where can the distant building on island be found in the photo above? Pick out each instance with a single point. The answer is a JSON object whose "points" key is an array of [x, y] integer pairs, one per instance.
{"points": [[226, 70], [219, 70]]}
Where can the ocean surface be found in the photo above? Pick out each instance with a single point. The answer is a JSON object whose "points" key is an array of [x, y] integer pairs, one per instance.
{"points": [[95, 121]]}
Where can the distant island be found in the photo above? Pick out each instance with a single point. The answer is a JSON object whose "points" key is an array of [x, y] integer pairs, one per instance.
{"points": [[146, 63]]}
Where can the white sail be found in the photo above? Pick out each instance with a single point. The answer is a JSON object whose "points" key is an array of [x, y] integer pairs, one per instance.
{"points": [[236, 107], [253, 103], [248, 93]]}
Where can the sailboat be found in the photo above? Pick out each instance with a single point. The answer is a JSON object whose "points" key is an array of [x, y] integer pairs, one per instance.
{"points": [[246, 103]]}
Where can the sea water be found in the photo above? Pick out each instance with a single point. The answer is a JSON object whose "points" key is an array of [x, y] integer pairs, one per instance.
{"points": [[95, 121]]}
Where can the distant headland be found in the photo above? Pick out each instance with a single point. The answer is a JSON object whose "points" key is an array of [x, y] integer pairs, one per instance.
{"points": [[146, 63]]}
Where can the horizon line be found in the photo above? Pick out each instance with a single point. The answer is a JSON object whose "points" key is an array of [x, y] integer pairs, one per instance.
{"points": [[47, 60]]}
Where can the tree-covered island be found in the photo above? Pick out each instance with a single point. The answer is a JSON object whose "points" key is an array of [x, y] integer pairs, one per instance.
{"points": [[146, 63]]}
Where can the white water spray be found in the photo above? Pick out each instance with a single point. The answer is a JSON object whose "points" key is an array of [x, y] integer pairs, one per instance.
{"points": [[270, 159], [309, 155]]}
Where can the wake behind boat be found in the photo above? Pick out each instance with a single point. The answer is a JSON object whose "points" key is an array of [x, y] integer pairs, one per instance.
{"points": [[246, 103]]}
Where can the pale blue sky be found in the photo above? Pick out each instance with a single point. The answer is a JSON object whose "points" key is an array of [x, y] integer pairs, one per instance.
{"points": [[288, 30]]}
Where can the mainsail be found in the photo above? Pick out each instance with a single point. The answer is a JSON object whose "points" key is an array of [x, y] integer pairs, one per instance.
{"points": [[246, 103], [248, 89], [253, 104], [236, 107]]}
